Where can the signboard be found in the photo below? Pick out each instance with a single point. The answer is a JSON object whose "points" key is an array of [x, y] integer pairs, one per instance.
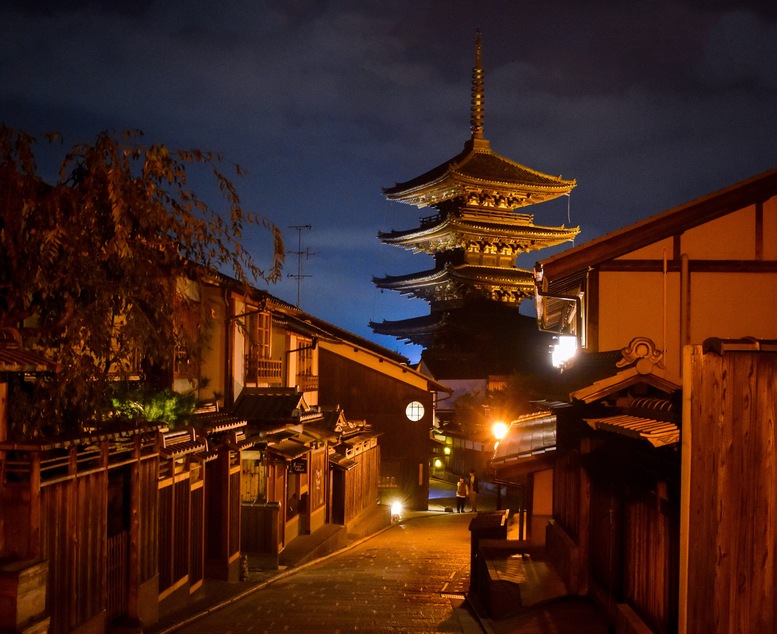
{"points": [[298, 465]]}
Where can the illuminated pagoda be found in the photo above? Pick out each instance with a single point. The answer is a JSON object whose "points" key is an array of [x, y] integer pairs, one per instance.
{"points": [[475, 234]]}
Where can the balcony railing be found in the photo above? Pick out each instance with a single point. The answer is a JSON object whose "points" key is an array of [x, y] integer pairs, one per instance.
{"points": [[307, 382], [428, 221], [263, 370]]}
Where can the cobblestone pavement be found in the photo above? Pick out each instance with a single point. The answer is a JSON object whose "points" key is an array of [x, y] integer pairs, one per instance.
{"points": [[409, 578]]}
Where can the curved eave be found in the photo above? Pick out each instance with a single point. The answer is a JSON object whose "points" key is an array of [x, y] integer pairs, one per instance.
{"points": [[456, 233], [501, 284], [465, 173], [472, 272], [423, 326], [422, 278], [453, 185], [493, 275]]}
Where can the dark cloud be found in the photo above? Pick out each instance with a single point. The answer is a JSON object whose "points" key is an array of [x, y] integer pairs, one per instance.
{"points": [[647, 104]]}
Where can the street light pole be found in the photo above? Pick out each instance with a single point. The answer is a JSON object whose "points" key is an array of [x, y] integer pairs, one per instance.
{"points": [[499, 430]]}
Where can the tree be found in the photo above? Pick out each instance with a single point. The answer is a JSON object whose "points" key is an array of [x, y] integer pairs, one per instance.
{"points": [[89, 264]]}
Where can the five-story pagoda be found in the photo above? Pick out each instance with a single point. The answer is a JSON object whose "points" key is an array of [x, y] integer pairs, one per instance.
{"points": [[475, 235]]}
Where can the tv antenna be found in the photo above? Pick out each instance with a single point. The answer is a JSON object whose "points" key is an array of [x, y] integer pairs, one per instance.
{"points": [[299, 253]]}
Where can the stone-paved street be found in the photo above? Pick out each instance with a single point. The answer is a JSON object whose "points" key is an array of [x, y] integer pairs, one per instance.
{"points": [[403, 580]]}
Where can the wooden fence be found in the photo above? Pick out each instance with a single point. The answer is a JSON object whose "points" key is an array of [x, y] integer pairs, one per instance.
{"points": [[732, 528], [84, 507]]}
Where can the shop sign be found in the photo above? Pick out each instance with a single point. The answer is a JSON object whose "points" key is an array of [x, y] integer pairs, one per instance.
{"points": [[299, 465]]}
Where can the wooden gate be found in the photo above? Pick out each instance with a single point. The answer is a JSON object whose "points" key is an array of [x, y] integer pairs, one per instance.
{"points": [[117, 575]]}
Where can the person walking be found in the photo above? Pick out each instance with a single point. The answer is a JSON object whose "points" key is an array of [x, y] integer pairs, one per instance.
{"points": [[461, 495], [473, 491]]}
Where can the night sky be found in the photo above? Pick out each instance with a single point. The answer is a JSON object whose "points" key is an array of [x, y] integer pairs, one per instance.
{"points": [[646, 104]]}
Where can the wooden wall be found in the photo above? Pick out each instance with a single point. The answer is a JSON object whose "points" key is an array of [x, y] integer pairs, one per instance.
{"points": [[90, 512], [365, 393], [73, 541], [361, 483], [732, 498], [650, 554], [616, 523]]}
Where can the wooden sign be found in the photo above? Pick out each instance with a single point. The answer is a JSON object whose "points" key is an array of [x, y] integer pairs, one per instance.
{"points": [[298, 465]]}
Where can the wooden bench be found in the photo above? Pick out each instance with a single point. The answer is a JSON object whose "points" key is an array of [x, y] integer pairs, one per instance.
{"points": [[502, 573]]}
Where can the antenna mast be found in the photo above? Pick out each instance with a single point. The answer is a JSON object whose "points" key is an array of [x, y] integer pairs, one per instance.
{"points": [[299, 253]]}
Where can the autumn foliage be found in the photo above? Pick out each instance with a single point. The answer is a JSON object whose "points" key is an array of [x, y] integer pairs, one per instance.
{"points": [[88, 263]]}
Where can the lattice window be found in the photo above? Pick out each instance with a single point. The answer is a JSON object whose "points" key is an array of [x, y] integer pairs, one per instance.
{"points": [[259, 335]]}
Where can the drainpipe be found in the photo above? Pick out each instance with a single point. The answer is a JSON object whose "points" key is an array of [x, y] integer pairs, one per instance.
{"points": [[685, 303], [663, 334], [229, 390], [685, 491]]}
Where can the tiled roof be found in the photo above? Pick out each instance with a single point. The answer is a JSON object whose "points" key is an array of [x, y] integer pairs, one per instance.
{"points": [[463, 272], [454, 232], [215, 422], [657, 432], [258, 405], [180, 443], [339, 460], [15, 360], [489, 166], [478, 164], [527, 436], [288, 448]]}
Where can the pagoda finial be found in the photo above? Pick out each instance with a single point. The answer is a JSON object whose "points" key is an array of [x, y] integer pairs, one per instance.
{"points": [[476, 116]]}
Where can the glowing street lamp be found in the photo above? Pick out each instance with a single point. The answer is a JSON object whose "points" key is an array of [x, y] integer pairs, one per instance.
{"points": [[499, 430], [563, 351]]}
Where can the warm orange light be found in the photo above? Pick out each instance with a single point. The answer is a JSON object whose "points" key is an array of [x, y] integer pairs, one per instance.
{"points": [[499, 429]]}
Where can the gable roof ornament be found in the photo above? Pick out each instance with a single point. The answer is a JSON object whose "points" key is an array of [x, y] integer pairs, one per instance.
{"points": [[642, 353], [640, 362]]}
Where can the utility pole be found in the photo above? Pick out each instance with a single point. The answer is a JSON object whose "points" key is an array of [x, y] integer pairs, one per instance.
{"points": [[299, 253]]}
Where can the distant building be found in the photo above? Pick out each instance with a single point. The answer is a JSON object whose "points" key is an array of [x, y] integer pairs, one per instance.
{"points": [[475, 230], [475, 234]]}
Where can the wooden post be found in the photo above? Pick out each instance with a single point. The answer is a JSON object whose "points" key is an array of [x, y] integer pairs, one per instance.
{"points": [[134, 529], [34, 547], [584, 526]]}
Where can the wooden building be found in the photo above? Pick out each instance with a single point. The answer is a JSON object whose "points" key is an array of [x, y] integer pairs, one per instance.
{"points": [[129, 522], [272, 344], [643, 439], [397, 401], [287, 490], [354, 466], [706, 268], [522, 466], [156, 512]]}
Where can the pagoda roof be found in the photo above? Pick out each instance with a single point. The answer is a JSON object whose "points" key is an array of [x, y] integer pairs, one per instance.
{"points": [[451, 281], [418, 330], [440, 232], [479, 338], [478, 172]]}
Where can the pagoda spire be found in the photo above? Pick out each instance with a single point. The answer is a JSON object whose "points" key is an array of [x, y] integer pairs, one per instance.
{"points": [[476, 116]]}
